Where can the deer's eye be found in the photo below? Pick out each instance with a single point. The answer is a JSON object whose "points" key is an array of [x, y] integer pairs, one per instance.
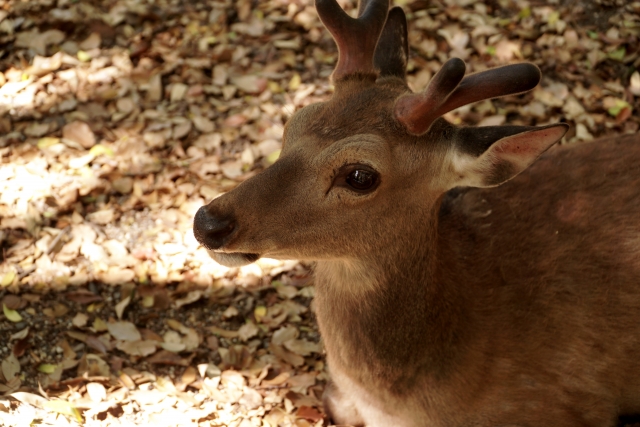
{"points": [[357, 178], [361, 179]]}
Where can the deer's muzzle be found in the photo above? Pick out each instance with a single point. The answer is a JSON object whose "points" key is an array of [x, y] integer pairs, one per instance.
{"points": [[213, 233]]}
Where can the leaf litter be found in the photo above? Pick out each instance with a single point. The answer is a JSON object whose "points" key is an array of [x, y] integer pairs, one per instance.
{"points": [[119, 119]]}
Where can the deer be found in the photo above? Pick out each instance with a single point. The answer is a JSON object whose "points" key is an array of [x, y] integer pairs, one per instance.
{"points": [[465, 276]]}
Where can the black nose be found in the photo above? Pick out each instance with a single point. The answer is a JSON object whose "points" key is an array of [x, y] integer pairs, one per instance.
{"points": [[210, 231]]}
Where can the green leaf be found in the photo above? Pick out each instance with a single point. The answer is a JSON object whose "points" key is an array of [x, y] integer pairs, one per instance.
{"points": [[491, 50], [100, 325], [618, 54], [618, 107], [84, 56], [63, 407], [47, 368], [259, 312], [98, 150], [148, 301], [525, 13], [8, 279], [271, 158], [12, 315], [295, 82], [47, 142], [592, 34]]}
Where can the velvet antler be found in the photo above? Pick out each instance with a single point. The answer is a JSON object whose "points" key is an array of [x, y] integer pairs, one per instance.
{"points": [[448, 90], [392, 50], [356, 38]]}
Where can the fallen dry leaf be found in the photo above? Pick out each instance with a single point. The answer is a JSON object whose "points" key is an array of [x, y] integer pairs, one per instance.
{"points": [[93, 366], [10, 367], [80, 133], [83, 296], [189, 375], [80, 320], [168, 358], [247, 331], [284, 334], [137, 348], [120, 307], [223, 332], [285, 355], [30, 398], [302, 347], [20, 335], [309, 413], [63, 407], [125, 331], [191, 297], [96, 392]]}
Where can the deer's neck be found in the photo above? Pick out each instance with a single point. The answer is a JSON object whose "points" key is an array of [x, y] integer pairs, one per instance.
{"points": [[389, 318]]}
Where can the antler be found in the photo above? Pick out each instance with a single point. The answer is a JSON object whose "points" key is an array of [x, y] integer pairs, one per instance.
{"points": [[448, 91], [356, 38], [392, 49]]}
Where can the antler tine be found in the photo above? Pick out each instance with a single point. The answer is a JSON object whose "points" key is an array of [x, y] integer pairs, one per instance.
{"points": [[393, 46], [363, 5], [448, 91], [356, 38], [418, 111], [508, 80]]}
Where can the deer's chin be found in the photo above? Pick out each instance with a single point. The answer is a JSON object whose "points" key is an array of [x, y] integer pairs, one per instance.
{"points": [[233, 259]]}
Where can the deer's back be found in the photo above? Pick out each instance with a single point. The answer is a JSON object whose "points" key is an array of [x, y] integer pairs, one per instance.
{"points": [[551, 261], [574, 203], [575, 212]]}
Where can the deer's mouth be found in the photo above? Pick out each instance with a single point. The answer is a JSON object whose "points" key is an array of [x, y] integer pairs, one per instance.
{"points": [[233, 259]]}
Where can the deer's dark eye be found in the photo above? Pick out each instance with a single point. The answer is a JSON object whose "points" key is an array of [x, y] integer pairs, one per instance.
{"points": [[361, 179], [358, 178]]}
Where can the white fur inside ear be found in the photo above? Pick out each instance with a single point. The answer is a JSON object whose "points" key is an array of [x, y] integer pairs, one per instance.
{"points": [[505, 159], [467, 171]]}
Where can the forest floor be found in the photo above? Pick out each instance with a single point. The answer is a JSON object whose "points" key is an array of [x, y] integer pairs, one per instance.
{"points": [[120, 118]]}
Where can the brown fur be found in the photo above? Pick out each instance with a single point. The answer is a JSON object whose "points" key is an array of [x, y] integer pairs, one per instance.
{"points": [[442, 305], [516, 305], [526, 314]]}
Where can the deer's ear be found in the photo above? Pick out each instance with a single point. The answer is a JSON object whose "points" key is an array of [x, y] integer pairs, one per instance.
{"points": [[392, 50], [490, 156]]}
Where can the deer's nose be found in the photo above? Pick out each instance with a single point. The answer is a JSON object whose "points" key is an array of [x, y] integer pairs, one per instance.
{"points": [[211, 231]]}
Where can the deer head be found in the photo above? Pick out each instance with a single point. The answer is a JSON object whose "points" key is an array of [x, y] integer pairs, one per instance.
{"points": [[375, 155]]}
